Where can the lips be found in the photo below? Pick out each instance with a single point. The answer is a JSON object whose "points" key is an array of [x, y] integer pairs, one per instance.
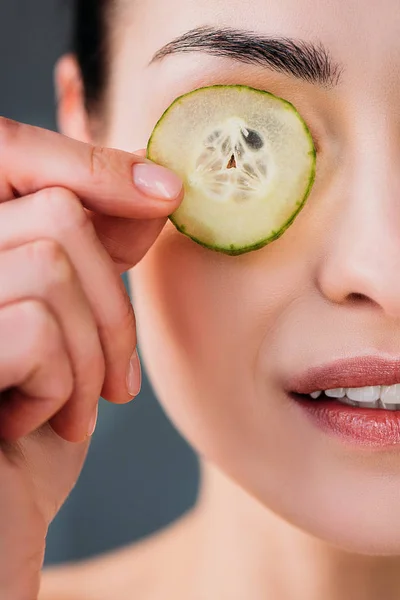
{"points": [[366, 427], [355, 372]]}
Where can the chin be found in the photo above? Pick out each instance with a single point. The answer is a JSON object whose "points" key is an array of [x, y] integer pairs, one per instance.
{"points": [[368, 527], [350, 506], [370, 538]]}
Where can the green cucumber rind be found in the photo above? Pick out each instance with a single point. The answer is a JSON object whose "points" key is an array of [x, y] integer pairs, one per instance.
{"points": [[231, 250]]}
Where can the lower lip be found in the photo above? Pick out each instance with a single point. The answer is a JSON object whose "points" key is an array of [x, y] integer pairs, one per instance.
{"points": [[361, 426]]}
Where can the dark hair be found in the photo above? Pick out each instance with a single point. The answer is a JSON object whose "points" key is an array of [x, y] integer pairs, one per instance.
{"points": [[90, 45]]}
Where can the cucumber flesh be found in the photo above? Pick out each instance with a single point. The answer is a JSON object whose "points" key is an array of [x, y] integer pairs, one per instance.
{"points": [[247, 160]]}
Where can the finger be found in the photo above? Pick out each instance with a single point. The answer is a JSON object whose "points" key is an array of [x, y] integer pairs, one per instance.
{"points": [[117, 235], [41, 270], [126, 240], [57, 214], [108, 181], [33, 358]]}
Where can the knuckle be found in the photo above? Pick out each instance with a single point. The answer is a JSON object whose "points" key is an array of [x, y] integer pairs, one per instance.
{"points": [[39, 327], [61, 387], [52, 262], [119, 329], [63, 208], [98, 162], [95, 364]]}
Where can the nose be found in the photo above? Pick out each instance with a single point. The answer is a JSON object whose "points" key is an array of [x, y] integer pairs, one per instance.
{"points": [[361, 258]]}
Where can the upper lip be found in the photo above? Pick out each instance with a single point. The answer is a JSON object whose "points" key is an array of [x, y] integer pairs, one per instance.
{"points": [[347, 373]]}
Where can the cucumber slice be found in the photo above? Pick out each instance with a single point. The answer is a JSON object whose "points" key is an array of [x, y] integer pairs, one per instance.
{"points": [[247, 160]]}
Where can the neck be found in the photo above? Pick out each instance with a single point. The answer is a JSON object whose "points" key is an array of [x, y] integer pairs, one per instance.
{"points": [[243, 550]]}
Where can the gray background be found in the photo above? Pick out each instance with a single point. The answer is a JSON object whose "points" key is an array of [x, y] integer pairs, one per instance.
{"points": [[140, 474]]}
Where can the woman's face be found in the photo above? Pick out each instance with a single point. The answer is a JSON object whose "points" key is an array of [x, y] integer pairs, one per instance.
{"points": [[222, 336]]}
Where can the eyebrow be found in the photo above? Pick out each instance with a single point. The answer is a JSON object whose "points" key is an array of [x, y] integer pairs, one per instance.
{"points": [[303, 60]]}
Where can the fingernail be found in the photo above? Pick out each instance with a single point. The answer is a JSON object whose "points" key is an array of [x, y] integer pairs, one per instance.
{"points": [[93, 422], [134, 379], [156, 181]]}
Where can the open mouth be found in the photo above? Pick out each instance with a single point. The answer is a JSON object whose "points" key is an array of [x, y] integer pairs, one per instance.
{"points": [[357, 399], [380, 397]]}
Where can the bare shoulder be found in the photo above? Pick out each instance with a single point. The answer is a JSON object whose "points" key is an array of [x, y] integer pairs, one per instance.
{"points": [[145, 570]]}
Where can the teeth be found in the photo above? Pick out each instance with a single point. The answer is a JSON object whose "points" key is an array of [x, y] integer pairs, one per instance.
{"points": [[336, 393], [346, 400], [364, 394], [390, 394], [385, 396]]}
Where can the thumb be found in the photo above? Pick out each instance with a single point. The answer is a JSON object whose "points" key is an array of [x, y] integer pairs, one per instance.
{"points": [[107, 181], [127, 240]]}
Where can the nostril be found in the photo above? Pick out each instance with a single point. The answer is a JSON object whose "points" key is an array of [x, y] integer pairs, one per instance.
{"points": [[358, 298]]}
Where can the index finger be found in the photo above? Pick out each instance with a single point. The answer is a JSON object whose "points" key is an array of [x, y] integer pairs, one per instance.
{"points": [[107, 181]]}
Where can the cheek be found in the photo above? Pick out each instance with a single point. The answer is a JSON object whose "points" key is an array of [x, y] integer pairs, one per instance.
{"points": [[204, 319], [192, 324], [210, 332]]}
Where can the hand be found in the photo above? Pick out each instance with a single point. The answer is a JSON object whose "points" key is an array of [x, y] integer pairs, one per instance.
{"points": [[73, 217]]}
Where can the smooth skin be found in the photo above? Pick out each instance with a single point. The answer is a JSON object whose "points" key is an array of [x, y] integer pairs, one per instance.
{"points": [[285, 512]]}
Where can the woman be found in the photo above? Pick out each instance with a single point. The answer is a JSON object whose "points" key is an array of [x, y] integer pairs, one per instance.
{"points": [[299, 496]]}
